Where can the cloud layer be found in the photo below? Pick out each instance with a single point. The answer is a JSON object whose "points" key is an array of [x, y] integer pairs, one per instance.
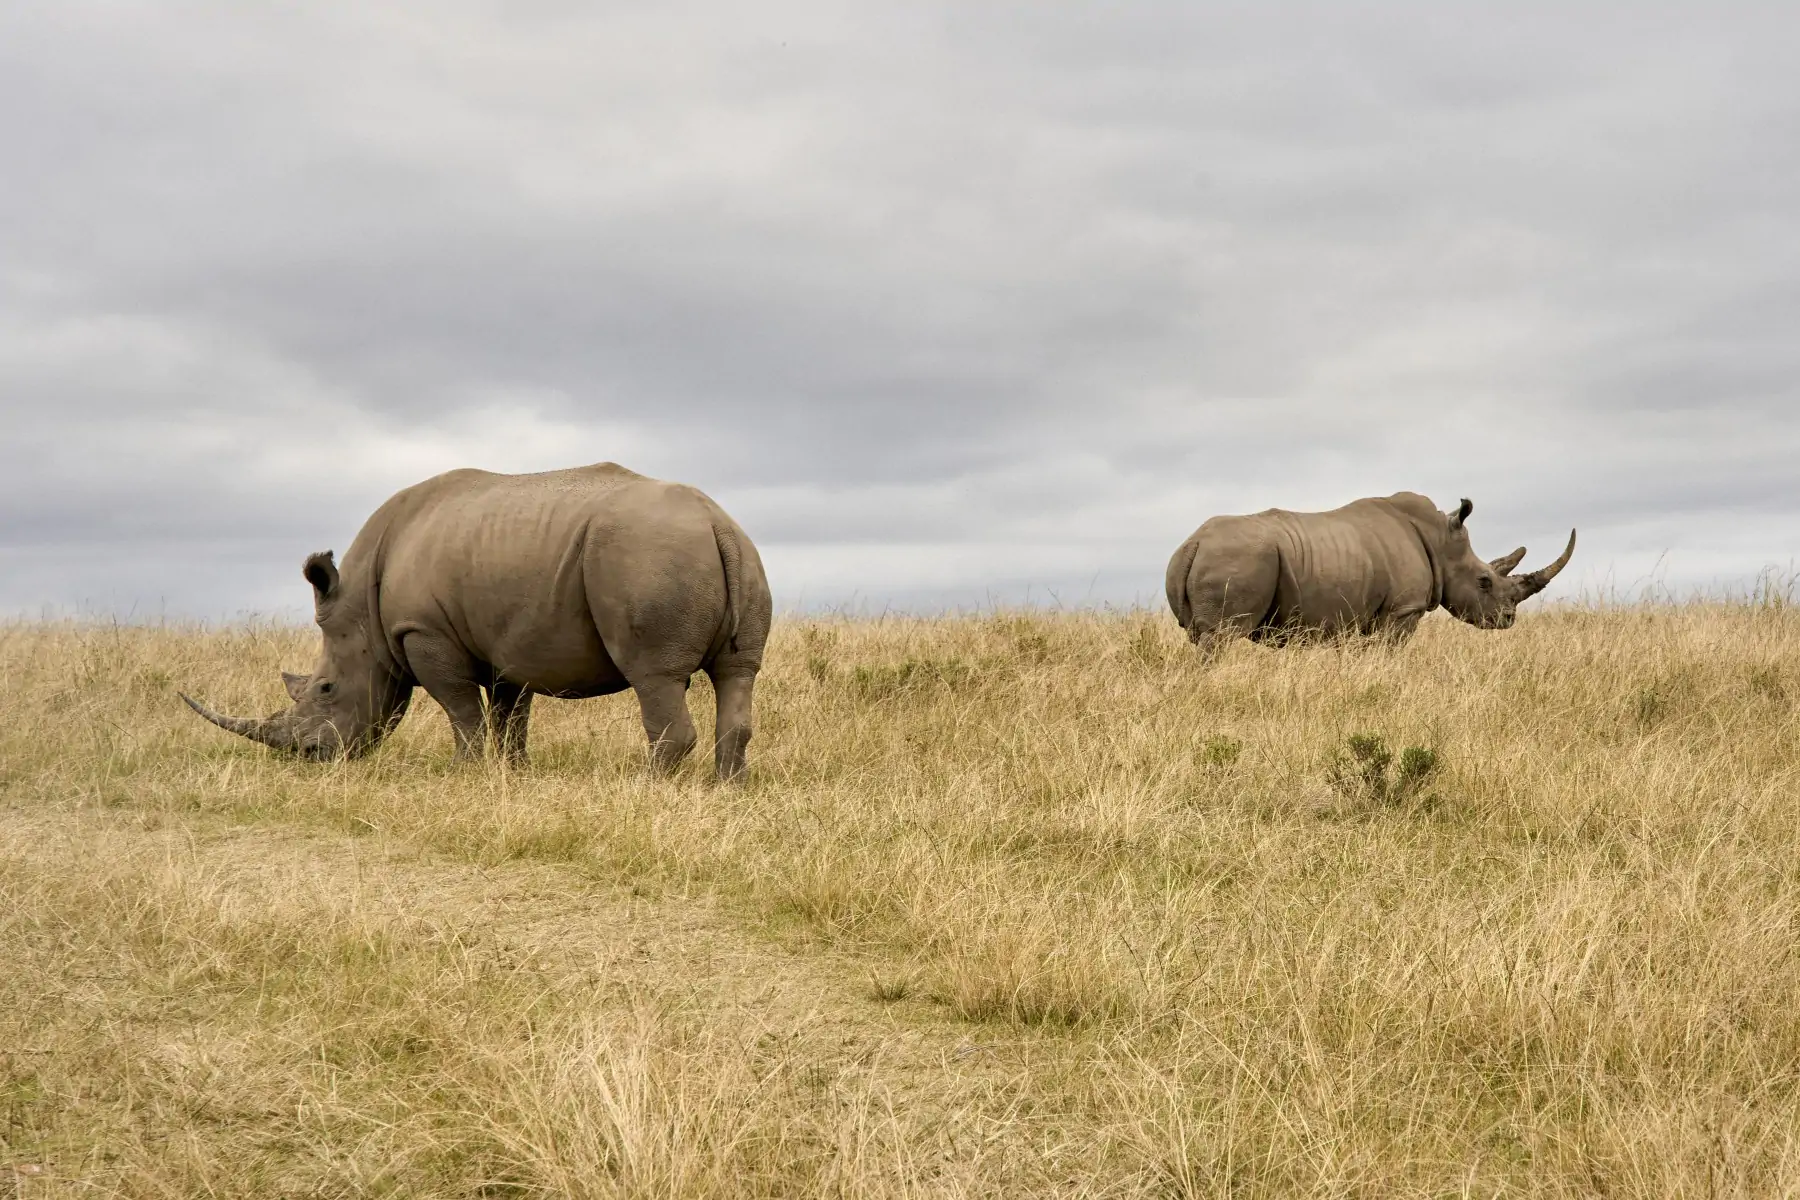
{"points": [[945, 303]]}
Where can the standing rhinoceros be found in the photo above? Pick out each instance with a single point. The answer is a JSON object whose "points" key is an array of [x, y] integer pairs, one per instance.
{"points": [[571, 583], [1374, 566]]}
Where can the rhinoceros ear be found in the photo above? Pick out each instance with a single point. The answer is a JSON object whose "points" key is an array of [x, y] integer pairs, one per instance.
{"points": [[295, 684], [322, 573], [1505, 564], [1461, 514]]}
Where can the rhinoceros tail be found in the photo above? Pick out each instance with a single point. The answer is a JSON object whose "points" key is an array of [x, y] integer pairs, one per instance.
{"points": [[1175, 583], [731, 557]]}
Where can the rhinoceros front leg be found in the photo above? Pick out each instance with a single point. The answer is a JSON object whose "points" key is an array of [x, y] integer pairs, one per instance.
{"points": [[670, 729], [509, 715], [1396, 630], [447, 674], [1404, 628]]}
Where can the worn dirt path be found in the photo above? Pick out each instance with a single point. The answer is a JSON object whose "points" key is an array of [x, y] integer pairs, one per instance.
{"points": [[949, 1091]]}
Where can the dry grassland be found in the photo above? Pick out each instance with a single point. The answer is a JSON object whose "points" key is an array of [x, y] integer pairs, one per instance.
{"points": [[1016, 905]]}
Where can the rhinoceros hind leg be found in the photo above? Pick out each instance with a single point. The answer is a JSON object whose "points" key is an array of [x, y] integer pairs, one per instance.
{"points": [[666, 721], [509, 716], [1231, 595], [732, 726], [448, 676], [1212, 644]]}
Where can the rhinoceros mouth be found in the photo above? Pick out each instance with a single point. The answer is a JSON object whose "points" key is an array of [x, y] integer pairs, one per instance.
{"points": [[327, 744]]}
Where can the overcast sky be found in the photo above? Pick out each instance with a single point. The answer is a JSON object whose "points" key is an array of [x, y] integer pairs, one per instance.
{"points": [[945, 303]]}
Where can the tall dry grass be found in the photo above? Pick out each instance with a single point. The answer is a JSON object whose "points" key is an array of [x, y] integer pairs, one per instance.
{"points": [[1019, 904]]}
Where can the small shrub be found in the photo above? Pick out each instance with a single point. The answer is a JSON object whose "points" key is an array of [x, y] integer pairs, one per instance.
{"points": [[889, 990], [1364, 770], [1221, 751], [1416, 762], [1362, 765], [882, 680]]}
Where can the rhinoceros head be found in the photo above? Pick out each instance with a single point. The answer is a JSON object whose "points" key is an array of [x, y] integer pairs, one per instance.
{"points": [[1484, 593], [350, 701]]}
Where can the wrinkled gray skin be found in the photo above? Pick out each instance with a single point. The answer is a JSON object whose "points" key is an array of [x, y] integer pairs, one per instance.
{"points": [[572, 583], [1373, 567]]}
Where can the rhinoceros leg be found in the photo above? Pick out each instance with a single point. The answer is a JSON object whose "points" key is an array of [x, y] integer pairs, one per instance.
{"points": [[732, 726], [1396, 631], [670, 729], [448, 675], [509, 716]]}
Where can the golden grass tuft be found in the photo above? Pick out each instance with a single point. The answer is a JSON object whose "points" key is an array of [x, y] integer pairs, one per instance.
{"points": [[1017, 904]]}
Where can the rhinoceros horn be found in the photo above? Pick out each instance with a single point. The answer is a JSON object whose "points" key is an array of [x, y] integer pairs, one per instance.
{"points": [[1533, 582], [1506, 562], [271, 731]]}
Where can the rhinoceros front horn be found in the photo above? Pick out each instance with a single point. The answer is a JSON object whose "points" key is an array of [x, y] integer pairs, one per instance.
{"points": [[1533, 582], [271, 732]]}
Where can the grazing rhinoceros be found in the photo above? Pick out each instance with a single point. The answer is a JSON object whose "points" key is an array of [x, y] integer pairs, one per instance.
{"points": [[569, 583], [1371, 567]]}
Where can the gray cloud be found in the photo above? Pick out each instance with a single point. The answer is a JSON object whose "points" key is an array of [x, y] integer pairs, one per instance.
{"points": [[941, 301]]}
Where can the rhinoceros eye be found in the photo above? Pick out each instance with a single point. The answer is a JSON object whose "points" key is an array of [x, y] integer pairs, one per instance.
{"points": [[1487, 585], [325, 688]]}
